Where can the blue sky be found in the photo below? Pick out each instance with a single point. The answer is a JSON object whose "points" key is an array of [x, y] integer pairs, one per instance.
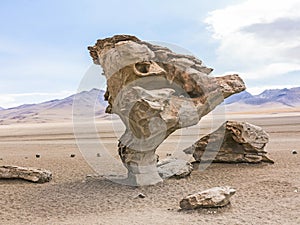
{"points": [[43, 44]]}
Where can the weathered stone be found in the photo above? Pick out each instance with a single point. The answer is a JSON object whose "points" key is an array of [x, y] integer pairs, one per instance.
{"points": [[140, 195], [233, 142], [155, 92], [30, 174], [211, 198], [172, 167]]}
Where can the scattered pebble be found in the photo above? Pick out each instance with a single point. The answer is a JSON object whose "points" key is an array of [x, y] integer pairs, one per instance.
{"points": [[168, 154], [1, 159], [141, 195], [37, 156], [26, 157], [98, 155], [294, 152], [72, 155]]}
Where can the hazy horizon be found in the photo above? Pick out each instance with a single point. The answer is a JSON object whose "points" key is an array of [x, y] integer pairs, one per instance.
{"points": [[59, 96]]}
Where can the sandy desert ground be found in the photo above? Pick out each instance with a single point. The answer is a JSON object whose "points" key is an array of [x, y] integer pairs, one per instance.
{"points": [[266, 194]]}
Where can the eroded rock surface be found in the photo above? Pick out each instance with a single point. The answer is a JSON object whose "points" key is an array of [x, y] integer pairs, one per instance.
{"points": [[171, 167], [155, 92], [233, 142], [211, 198], [25, 173]]}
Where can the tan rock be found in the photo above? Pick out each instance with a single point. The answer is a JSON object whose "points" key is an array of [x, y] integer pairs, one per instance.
{"points": [[172, 167], [25, 173], [233, 142], [211, 198], [155, 92]]}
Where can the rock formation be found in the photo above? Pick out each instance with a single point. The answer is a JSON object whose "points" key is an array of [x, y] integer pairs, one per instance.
{"points": [[30, 174], [211, 198], [155, 92], [239, 142]]}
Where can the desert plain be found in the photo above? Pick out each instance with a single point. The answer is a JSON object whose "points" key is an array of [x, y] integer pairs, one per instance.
{"points": [[265, 193]]}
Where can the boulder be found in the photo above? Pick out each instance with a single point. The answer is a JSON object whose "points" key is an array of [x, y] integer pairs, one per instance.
{"points": [[155, 92], [25, 173], [233, 142], [211, 198], [172, 167]]}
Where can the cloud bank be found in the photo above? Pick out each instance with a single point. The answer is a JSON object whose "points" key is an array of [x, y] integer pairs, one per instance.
{"points": [[259, 38]]}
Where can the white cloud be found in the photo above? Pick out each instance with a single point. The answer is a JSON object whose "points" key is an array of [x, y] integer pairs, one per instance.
{"points": [[224, 22], [248, 46], [13, 100], [274, 69]]}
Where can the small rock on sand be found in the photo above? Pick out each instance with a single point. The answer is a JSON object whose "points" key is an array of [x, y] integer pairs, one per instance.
{"points": [[140, 195], [172, 167], [25, 173], [294, 152], [211, 198]]}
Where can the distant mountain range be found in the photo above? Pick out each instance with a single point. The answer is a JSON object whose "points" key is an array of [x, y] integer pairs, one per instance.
{"points": [[286, 97], [55, 110], [61, 109]]}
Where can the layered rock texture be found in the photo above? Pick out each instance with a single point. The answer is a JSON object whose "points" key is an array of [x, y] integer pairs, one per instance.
{"points": [[211, 198], [25, 173], [155, 92], [233, 142]]}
